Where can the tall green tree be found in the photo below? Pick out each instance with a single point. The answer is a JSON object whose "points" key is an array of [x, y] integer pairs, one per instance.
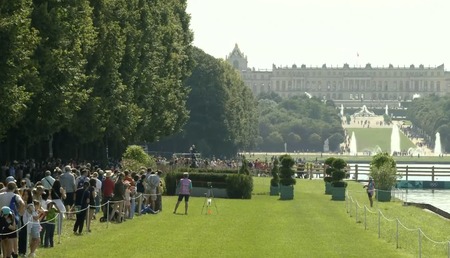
{"points": [[61, 59], [18, 41], [223, 115]]}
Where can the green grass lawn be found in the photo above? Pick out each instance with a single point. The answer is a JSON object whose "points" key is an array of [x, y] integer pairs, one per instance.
{"points": [[368, 138], [311, 225]]}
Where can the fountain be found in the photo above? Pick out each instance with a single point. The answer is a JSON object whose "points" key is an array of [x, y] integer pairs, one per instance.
{"points": [[342, 110], [353, 148], [395, 140], [437, 145], [386, 110]]}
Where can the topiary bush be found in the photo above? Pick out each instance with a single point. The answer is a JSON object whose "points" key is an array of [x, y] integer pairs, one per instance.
{"points": [[275, 181], [286, 171], [338, 173]]}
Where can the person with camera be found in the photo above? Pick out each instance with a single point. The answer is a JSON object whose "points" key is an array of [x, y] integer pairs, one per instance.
{"points": [[184, 191], [8, 229]]}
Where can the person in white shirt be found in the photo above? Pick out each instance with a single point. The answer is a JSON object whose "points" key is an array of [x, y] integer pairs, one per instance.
{"points": [[48, 180]]}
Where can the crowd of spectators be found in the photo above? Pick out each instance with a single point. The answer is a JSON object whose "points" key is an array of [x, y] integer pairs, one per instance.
{"points": [[35, 198]]}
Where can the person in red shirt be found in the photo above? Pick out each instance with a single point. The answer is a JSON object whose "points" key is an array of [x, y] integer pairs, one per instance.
{"points": [[107, 190]]}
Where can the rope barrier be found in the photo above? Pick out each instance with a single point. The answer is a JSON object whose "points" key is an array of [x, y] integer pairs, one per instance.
{"points": [[421, 234]]}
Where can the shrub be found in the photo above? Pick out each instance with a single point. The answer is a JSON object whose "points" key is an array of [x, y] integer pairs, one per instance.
{"points": [[239, 186], [135, 158], [244, 169], [383, 170], [286, 171], [275, 181]]}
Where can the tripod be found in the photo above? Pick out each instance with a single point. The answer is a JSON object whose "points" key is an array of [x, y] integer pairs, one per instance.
{"points": [[209, 199]]}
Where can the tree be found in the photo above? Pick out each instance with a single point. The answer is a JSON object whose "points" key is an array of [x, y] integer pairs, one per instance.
{"points": [[18, 73], [222, 109]]}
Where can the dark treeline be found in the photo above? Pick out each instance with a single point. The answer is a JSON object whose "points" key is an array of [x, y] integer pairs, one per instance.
{"points": [[81, 77], [430, 115], [223, 116]]}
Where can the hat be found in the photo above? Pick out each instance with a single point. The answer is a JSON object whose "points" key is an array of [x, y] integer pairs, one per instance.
{"points": [[108, 173], [10, 179], [6, 210]]}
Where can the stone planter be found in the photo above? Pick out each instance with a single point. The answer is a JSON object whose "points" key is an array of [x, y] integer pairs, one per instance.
{"points": [[383, 195], [274, 190], [338, 193], [286, 192], [328, 188]]}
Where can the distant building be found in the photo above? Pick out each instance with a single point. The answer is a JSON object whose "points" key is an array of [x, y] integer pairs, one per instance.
{"points": [[374, 86]]}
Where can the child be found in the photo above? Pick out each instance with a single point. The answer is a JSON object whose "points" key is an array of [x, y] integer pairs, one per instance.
{"points": [[7, 228], [36, 212], [52, 213]]}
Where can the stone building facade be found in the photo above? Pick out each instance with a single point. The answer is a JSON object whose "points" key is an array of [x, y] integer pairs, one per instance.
{"points": [[345, 84]]}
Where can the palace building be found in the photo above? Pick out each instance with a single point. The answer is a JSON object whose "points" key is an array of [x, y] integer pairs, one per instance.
{"points": [[374, 86]]}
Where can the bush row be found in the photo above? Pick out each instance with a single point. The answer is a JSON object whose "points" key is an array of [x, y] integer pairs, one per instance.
{"points": [[238, 186]]}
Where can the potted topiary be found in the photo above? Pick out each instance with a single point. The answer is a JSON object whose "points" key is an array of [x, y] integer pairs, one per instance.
{"points": [[287, 181], [275, 181], [383, 170], [338, 174], [328, 167]]}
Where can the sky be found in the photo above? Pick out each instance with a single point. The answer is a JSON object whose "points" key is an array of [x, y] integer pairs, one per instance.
{"points": [[331, 32]]}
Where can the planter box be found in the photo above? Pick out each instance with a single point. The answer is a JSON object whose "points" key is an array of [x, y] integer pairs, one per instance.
{"points": [[286, 192], [338, 193], [328, 188], [274, 190], [383, 195]]}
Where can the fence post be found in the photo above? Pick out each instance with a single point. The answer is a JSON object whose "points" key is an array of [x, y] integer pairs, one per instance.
{"points": [[351, 201], [397, 235], [88, 225], [356, 172], [140, 203], [107, 214], [365, 217], [379, 224], [406, 172], [432, 174], [420, 244], [448, 249]]}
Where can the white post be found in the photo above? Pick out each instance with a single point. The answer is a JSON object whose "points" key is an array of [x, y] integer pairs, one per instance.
{"points": [[88, 224]]}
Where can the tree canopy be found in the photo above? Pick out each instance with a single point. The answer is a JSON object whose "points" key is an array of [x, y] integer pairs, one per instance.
{"points": [[302, 123], [223, 116], [80, 76]]}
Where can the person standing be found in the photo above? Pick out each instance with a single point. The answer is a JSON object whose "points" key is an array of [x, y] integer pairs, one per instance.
{"points": [[48, 180], [67, 180], [118, 199], [52, 213], [8, 229], [81, 200], [107, 192], [153, 182], [370, 190], [159, 191], [184, 191]]}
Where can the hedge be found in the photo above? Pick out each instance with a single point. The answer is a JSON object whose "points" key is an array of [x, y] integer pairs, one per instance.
{"points": [[238, 186]]}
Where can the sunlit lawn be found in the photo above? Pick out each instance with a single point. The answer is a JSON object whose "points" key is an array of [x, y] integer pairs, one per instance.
{"points": [[311, 225]]}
